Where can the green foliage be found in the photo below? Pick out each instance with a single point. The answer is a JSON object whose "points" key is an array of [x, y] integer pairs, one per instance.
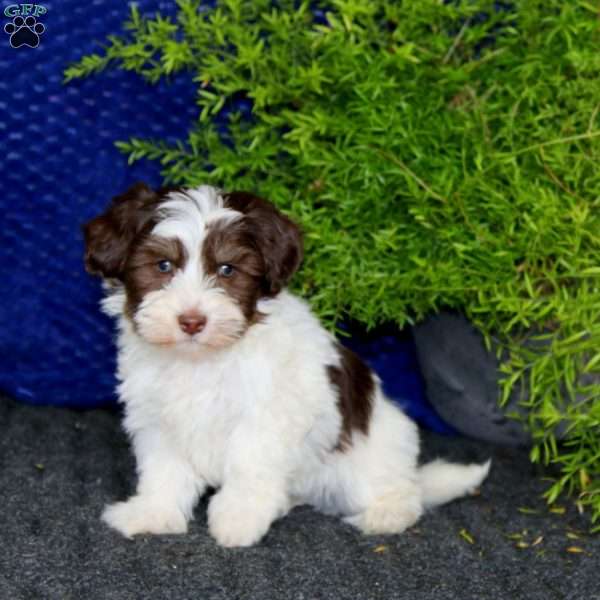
{"points": [[434, 159]]}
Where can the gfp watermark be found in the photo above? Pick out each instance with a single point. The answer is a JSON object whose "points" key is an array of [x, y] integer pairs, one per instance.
{"points": [[24, 29]]}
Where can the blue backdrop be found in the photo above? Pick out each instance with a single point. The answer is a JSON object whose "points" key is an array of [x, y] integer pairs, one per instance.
{"points": [[60, 168]]}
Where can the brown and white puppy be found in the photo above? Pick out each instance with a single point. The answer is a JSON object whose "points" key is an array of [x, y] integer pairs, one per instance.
{"points": [[229, 381]]}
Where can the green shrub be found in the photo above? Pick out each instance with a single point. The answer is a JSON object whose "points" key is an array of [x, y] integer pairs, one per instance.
{"points": [[437, 155]]}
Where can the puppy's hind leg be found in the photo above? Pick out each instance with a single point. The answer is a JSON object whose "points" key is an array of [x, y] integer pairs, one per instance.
{"points": [[391, 512]]}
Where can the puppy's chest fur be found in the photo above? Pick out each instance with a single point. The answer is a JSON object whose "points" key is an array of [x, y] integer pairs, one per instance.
{"points": [[195, 406], [264, 384]]}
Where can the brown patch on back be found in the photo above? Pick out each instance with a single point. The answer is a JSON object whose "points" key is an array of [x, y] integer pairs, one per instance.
{"points": [[356, 386], [141, 274]]}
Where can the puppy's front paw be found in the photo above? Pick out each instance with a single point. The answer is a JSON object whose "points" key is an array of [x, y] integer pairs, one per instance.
{"points": [[140, 515], [237, 520]]}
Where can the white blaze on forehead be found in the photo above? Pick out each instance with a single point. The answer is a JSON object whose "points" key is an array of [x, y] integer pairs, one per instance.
{"points": [[186, 216]]}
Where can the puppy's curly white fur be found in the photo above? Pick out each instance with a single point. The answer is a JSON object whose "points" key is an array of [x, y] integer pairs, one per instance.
{"points": [[229, 381]]}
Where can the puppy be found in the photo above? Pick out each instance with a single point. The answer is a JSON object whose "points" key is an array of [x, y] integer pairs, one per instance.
{"points": [[229, 381]]}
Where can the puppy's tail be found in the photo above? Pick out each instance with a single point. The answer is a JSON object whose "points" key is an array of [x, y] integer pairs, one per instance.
{"points": [[442, 481]]}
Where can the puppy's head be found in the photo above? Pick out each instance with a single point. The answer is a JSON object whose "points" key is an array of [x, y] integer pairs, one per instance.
{"points": [[193, 263]]}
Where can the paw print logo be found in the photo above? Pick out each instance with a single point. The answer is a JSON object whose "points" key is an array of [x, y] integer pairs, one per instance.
{"points": [[24, 32]]}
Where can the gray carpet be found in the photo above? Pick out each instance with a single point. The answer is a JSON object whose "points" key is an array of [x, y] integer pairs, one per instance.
{"points": [[58, 468]]}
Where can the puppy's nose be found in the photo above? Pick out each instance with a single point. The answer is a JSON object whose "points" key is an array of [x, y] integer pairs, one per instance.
{"points": [[191, 322]]}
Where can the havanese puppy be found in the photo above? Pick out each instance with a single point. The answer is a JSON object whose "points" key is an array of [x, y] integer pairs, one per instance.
{"points": [[229, 381]]}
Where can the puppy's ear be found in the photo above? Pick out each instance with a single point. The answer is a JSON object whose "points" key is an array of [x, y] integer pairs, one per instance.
{"points": [[278, 239], [108, 236]]}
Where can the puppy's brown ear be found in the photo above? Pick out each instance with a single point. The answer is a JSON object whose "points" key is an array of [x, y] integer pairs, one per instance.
{"points": [[278, 239], [108, 236]]}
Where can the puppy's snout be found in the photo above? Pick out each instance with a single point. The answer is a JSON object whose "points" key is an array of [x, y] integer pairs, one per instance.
{"points": [[191, 322]]}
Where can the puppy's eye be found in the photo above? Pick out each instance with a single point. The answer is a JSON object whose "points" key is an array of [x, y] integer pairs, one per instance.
{"points": [[164, 266], [225, 270]]}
